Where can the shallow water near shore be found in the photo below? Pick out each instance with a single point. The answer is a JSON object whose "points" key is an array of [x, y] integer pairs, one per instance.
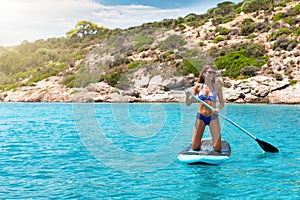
{"points": [[129, 151]]}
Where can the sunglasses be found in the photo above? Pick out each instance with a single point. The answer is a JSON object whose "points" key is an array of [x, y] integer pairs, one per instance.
{"points": [[210, 72]]}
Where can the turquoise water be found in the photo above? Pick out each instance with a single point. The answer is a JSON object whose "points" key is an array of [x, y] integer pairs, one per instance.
{"points": [[128, 151]]}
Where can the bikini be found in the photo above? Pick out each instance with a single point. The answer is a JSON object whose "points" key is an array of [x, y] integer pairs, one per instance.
{"points": [[212, 98]]}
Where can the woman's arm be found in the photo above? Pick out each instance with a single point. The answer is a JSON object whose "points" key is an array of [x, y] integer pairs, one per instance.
{"points": [[220, 97], [188, 98]]}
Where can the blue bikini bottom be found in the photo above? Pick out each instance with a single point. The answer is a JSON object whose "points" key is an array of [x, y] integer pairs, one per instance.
{"points": [[207, 120]]}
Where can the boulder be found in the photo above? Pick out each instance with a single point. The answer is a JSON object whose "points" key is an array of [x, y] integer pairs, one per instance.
{"points": [[155, 84], [175, 83], [101, 87], [289, 95], [234, 94]]}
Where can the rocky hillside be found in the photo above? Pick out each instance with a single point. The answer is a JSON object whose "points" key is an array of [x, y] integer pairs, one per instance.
{"points": [[155, 64]]}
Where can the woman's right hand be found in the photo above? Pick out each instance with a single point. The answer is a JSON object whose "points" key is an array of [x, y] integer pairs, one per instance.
{"points": [[188, 99], [187, 92]]}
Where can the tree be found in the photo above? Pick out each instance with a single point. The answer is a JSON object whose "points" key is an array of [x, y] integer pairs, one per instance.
{"points": [[84, 28], [255, 5], [226, 8]]}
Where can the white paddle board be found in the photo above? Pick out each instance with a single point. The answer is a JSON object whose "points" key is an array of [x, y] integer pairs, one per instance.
{"points": [[206, 155]]}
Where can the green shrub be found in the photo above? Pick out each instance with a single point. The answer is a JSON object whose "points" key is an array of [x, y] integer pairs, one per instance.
{"points": [[190, 67], [77, 56], [223, 30], [292, 44], [281, 42], [10, 86], [249, 71], [113, 78], [297, 32], [216, 21], [278, 77], [246, 30], [283, 3], [289, 20], [285, 44], [164, 57], [247, 21], [247, 27], [276, 25], [191, 53], [172, 42], [251, 36], [83, 78], [133, 65], [181, 27], [296, 9], [293, 82], [255, 5], [120, 61], [69, 81], [190, 17], [47, 71], [233, 62], [281, 31], [262, 27], [218, 39], [201, 44], [142, 41], [228, 18], [21, 75], [222, 20], [278, 17], [251, 49]]}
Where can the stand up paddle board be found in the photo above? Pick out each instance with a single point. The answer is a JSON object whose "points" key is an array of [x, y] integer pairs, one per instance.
{"points": [[206, 155]]}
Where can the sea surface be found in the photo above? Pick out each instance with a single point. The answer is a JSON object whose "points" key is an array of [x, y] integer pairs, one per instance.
{"points": [[129, 151]]}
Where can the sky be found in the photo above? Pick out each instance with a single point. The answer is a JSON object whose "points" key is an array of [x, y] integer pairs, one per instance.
{"points": [[31, 20]]}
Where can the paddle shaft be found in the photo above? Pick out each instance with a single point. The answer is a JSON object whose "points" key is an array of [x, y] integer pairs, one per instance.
{"points": [[220, 114]]}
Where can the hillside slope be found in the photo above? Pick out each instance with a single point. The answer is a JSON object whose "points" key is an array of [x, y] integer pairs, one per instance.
{"points": [[154, 64]]}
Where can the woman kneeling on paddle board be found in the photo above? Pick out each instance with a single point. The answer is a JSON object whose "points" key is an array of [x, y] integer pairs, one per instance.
{"points": [[208, 91]]}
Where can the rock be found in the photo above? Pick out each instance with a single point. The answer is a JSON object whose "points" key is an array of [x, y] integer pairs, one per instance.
{"points": [[2, 96], [132, 92], [114, 97], [278, 85], [101, 87], [289, 95], [190, 79], [155, 84], [141, 79], [227, 82], [234, 95], [261, 91], [176, 83]]}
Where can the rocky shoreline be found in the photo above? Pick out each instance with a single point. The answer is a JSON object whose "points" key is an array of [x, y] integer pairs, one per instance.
{"points": [[258, 89]]}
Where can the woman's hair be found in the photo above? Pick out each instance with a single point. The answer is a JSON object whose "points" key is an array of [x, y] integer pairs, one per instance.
{"points": [[201, 76]]}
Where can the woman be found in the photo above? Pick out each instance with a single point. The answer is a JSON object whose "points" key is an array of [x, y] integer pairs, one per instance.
{"points": [[207, 90]]}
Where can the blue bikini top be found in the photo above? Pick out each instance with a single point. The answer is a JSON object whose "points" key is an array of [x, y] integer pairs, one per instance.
{"points": [[212, 98]]}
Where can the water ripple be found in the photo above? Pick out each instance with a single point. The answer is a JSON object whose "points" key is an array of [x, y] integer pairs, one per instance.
{"points": [[42, 155]]}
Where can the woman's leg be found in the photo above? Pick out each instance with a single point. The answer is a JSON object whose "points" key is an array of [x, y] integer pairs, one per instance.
{"points": [[197, 134], [215, 131]]}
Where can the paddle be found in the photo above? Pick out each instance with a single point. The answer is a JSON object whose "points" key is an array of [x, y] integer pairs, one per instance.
{"points": [[264, 145]]}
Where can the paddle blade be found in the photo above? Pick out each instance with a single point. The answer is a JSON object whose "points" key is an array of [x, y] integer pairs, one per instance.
{"points": [[266, 146]]}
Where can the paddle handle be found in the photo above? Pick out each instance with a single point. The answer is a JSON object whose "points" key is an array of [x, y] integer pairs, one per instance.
{"points": [[220, 114]]}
